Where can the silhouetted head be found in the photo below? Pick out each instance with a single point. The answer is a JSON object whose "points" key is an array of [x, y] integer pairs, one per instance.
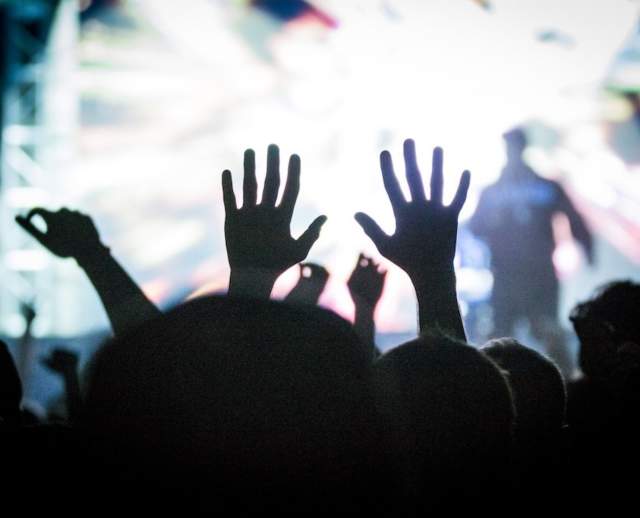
{"points": [[10, 386], [538, 387], [449, 412], [269, 398], [608, 327], [516, 142]]}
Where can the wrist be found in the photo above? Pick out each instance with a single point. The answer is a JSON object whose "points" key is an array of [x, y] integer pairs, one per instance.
{"points": [[88, 257], [251, 282], [363, 307], [436, 280]]}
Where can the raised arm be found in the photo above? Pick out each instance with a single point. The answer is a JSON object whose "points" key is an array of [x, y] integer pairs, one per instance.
{"points": [[365, 287], [258, 235], [73, 234], [424, 241]]}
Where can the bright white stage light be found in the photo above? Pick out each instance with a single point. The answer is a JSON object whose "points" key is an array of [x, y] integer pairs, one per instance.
{"points": [[200, 81], [26, 260]]}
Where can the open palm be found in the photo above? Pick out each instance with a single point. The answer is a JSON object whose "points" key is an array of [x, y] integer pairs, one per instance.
{"points": [[258, 235], [424, 240]]}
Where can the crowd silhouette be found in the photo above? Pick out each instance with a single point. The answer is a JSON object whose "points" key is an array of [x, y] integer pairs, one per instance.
{"points": [[240, 404]]}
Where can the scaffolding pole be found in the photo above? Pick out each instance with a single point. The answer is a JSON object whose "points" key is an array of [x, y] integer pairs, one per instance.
{"points": [[39, 121]]}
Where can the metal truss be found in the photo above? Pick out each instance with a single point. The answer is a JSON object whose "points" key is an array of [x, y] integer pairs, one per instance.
{"points": [[37, 142]]}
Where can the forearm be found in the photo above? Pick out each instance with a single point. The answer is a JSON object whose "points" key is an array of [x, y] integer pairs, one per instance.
{"points": [[438, 304], [125, 303], [364, 325], [251, 282]]}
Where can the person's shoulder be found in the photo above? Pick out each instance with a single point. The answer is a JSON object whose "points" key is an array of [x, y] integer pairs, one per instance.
{"points": [[548, 183], [551, 190], [491, 189]]}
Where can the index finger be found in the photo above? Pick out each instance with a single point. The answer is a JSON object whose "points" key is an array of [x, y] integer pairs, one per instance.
{"points": [[390, 181], [39, 211], [30, 228]]}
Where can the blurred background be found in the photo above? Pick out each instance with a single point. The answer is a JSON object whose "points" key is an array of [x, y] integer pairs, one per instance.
{"points": [[130, 110]]}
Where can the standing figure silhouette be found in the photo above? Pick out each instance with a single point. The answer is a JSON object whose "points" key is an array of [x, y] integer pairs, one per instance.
{"points": [[514, 217]]}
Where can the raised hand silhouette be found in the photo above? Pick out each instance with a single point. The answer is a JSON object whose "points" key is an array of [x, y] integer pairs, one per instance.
{"points": [[425, 234], [365, 287], [313, 278], [366, 282], [424, 241], [70, 233], [258, 236]]}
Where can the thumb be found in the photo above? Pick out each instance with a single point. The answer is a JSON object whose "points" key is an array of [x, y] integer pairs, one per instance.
{"points": [[310, 236], [372, 229]]}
